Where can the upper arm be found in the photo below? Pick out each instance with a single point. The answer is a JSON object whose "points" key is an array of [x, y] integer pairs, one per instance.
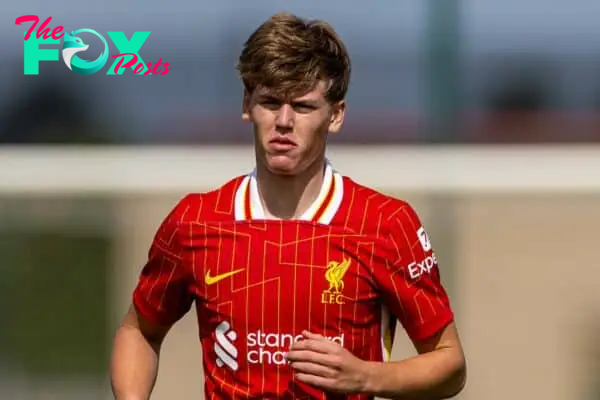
{"points": [[162, 295], [153, 332], [447, 338], [411, 284], [453, 362]]}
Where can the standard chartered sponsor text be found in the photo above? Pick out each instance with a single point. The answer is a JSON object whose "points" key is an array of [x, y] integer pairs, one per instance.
{"points": [[271, 348]]}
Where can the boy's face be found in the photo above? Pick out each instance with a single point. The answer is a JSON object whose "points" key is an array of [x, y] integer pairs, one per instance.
{"points": [[291, 134]]}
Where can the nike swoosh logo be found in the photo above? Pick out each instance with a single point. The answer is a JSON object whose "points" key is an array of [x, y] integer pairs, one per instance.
{"points": [[211, 280]]}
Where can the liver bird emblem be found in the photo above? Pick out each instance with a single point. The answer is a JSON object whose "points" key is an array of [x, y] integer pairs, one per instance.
{"points": [[335, 275]]}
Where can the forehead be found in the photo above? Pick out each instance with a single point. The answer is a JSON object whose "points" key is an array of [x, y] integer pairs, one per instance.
{"points": [[316, 93]]}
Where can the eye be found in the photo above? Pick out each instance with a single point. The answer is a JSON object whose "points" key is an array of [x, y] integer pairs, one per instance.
{"points": [[270, 104], [303, 108]]}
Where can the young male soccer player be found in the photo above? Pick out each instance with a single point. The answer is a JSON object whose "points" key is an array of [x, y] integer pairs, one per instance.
{"points": [[298, 273]]}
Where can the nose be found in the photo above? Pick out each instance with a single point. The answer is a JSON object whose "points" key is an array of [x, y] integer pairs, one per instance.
{"points": [[285, 116]]}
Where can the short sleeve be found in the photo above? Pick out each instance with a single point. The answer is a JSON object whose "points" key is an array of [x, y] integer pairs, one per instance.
{"points": [[411, 285], [162, 294]]}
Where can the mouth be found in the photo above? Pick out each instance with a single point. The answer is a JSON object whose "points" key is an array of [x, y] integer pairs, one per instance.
{"points": [[282, 144]]}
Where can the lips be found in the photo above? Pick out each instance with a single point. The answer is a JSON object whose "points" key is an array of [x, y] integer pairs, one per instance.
{"points": [[282, 144], [283, 140]]}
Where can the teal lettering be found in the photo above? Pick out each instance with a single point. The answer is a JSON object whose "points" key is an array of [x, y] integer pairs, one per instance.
{"points": [[128, 46], [33, 54]]}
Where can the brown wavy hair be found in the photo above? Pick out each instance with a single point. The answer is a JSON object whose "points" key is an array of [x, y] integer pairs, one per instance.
{"points": [[290, 55]]}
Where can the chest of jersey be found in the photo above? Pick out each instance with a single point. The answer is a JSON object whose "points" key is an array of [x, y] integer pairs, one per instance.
{"points": [[282, 275]]}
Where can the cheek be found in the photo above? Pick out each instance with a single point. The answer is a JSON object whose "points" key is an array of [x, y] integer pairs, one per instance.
{"points": [[316, 136], [312, 130], [263, 121]]}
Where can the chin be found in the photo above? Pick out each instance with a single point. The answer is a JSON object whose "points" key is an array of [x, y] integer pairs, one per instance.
{"points": [[281, 165]]}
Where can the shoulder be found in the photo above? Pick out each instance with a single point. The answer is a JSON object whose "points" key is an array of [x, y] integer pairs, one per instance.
{"points": [[197, 207], [214, 204], [377, 211]]}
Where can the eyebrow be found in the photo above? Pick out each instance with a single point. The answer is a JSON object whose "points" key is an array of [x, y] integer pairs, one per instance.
{"points": [[266, 97]]}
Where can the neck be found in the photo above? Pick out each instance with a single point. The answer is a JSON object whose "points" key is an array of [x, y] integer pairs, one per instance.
{"points": [[285, 197]]}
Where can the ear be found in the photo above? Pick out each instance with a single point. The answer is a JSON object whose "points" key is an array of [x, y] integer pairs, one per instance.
{"points": [[338, 111], [246, 106]]}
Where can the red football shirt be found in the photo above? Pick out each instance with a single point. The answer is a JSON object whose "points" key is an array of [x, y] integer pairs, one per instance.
{"points": [[355, 262]]}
